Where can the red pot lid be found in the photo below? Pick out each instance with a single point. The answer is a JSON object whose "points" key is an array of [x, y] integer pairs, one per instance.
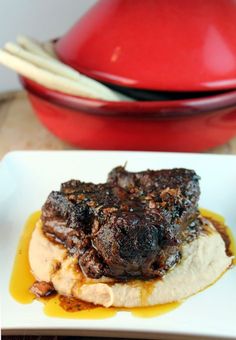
{"points": [[176, 45]]}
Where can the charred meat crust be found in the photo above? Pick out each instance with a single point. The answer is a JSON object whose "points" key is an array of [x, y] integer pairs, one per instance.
{"points": [[132, 226]]}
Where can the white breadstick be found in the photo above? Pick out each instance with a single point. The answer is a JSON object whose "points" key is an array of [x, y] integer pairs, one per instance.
{"points": [[48, 47], [59, 68], [46, 78], [32, 45], [52, 65]]}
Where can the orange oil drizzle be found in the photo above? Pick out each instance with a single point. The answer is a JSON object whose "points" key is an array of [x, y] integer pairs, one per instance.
{"points": [[22, 280], [218, 218]]}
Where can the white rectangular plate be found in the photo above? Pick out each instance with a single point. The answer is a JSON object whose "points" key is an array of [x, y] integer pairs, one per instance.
{"points": [[26, 178]]}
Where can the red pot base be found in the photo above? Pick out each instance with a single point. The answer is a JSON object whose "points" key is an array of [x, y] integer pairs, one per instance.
{"points": [[91, 131]]}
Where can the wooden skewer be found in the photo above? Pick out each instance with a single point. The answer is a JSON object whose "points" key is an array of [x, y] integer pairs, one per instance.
{"points": [[59, 68], [46, 78]]}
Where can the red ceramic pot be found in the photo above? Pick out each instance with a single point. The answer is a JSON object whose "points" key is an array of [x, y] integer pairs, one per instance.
{"points": [[174, 45], [181, 125]]}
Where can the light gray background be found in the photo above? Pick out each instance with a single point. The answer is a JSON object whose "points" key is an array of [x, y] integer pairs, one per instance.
{"points": [[42, 19]]}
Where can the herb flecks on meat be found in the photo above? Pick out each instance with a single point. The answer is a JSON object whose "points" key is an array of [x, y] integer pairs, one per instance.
{"points": [[132, 226]]}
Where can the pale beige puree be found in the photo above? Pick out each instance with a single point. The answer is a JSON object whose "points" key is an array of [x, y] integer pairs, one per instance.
{"points": [[203, 261]]}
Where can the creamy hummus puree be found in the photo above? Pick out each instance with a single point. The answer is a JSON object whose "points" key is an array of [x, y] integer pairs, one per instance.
{"points": [[203, 261]]}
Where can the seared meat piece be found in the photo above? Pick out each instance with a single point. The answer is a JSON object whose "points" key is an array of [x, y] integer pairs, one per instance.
{"points": [[42, 289], [133, 226], [63, 222], [156, 180], [131, 245]]}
